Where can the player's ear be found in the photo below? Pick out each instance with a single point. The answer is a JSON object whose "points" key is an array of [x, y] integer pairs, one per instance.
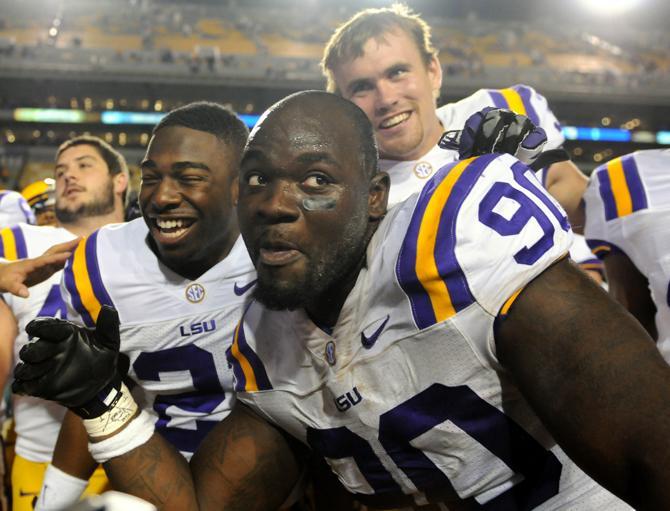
{"points": [[435, 74], [120, 183], [378, 195]]}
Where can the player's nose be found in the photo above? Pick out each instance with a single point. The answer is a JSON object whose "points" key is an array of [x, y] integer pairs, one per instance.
{"points": [[280, 203], [166, 194], [386, 96]]}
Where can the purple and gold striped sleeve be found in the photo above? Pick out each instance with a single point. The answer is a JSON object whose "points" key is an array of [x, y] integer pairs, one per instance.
{"points": [[427, 268], [517, 99], [13, 244], [248, 369], [84, 282], [621, 188], [524, 100]]}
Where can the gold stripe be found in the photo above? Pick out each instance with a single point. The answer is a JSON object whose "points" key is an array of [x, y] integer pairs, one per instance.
{"points": [[249, 376], [622, 199], [514, 101], [82, 281], [601, 248], [591, 266], [509, 302], [9, 244], [425, 267]]}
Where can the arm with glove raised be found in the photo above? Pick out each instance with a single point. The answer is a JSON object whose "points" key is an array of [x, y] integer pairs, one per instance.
{"points": [[497, 130], [81, 369]]}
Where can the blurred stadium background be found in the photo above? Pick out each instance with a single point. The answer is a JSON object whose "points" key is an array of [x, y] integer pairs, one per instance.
{"points": [[113, 67]]}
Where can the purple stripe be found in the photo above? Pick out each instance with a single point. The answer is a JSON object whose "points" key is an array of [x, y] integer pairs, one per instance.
{"points": [[75, 299], [240, 380], [524, 93], [262, 380], [605, 189], [445, 243], [94, 271], [2, 248], [20, 242], [635, 186], [602, 254], [445, 256], [422, 308], [498, 99], [520, 170]]}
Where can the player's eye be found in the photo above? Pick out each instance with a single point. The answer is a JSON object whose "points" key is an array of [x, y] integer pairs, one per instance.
{"points": [[360, 87], [316, 181], [149, 179], [191, 178], [397, 71], [256, 180]]}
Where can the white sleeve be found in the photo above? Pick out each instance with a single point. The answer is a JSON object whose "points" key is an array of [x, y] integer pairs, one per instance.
{"points": [[14, 209], [508, 230]]}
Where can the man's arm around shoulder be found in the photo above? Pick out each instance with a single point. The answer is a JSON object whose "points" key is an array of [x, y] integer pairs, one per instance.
{"points": [[595, 379]]}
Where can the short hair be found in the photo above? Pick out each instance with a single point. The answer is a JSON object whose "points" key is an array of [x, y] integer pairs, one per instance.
{"points": [[349, 38], [115, 161], [209, 117]]}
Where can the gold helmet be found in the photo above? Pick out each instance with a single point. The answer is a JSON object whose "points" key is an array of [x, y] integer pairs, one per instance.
{"points": [[40, 194]]}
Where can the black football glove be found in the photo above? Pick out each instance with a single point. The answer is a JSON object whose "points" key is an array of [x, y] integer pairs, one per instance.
{"points": [[72, 365], [497, 130]]}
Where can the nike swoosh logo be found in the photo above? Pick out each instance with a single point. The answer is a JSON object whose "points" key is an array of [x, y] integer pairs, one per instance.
{"points": [[368, 342], [240, 290]]}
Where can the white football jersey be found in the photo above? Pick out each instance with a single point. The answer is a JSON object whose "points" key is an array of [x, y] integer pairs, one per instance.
{"points": [[14, 209], [175, 331], [628, 210], [409, 177], [37, 422], [405, 397]]}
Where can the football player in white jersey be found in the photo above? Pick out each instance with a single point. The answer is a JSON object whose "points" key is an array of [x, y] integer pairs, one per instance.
{"points": [[384, 61], [14, 209], [433, 354], [91, 184], [628, 227], [178, 278]]}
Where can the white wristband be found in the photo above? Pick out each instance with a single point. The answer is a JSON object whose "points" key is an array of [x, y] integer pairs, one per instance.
{"points": [[138, 432], [59, 490], [121, 412]]}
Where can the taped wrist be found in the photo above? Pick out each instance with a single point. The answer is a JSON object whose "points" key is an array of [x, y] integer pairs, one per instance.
{"points": [[137, 433], [101, 403], [120, 408]]}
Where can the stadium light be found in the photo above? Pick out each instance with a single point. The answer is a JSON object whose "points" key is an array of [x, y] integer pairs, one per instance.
{"points": [[610, 7]]}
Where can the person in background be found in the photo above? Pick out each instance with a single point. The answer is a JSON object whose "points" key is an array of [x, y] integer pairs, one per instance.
{"points": [[41, 197], [91, 180], [628, 228], [384, 61]]}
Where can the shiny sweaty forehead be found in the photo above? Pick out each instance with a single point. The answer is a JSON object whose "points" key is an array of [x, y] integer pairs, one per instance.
{"points": [[319, 122]]}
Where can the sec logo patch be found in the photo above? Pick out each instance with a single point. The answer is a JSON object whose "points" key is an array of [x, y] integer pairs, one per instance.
{"points": [[423, 169], [195, 293]]}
